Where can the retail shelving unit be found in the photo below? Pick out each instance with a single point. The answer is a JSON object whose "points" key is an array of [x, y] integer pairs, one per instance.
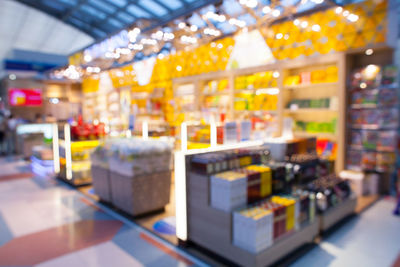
{"points": [[211, 228], [370, 129], [73, 158], [324, 99], [335, 90]]}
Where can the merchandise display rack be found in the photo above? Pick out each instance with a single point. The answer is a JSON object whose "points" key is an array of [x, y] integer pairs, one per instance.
{"points": [[74, 159], [212, 229], [336, 214], [286, 93], [370, 132]]}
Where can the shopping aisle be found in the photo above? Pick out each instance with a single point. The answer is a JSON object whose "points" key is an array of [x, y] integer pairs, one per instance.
{"points": [[45, 223], [371, 239]]}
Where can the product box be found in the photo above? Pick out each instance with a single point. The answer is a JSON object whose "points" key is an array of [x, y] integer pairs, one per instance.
{"points": [[265, 179], [228, 190], [253, 184], [387, 141], [279, 217], [253, 229]]}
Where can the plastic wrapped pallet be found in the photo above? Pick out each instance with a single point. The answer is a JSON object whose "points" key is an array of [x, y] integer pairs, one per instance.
{"points": [[140, 175], [100, 171]]}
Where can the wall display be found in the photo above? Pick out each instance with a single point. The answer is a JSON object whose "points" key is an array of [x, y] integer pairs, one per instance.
{"points": [[373, 119]]}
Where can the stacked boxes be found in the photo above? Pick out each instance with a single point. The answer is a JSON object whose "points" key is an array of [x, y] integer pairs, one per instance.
{"points": [[252, 229], [291, 214], [279, 215], [228, 190], [265, 179]]}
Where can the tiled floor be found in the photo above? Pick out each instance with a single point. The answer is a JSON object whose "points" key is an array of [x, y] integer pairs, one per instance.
{"points": [[45, 223]]}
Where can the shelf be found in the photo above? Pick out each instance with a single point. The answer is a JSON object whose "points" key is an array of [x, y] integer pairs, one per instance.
{"points": [[372, 127], [216, 93], [365, 201], [370, 106], [331, 136], [311, 85], [149, 114], [361, 148], [288, 110], [338, 213], [257, 111]]}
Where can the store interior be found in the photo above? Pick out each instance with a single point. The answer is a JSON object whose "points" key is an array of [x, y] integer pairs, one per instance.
{"points": [[224, 132]]}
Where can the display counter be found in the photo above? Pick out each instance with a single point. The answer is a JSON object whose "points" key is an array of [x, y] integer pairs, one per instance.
{"points": [[254, 202], [30, 135], [74, 159]]}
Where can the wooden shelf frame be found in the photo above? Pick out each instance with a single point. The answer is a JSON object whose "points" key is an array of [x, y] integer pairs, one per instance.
{"points": [[283, 68]]}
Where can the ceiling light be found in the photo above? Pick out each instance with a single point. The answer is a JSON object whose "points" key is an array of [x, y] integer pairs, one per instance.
{"points": [[193, 28], [352, 17], [338, 10], [251, 3], [54, 100], [12, 76], [136, 31], [346, 13], [220, 46], [286, 36], [87, 58], [276, 13], [266, 10], [160, 56], [304, 24], [316, 28], [363, 85], [178, 68], [181, 25], [137, 46], [276, 74], [236, 22], [279, 36], [318, 1], [296, 22], [369, 52]]}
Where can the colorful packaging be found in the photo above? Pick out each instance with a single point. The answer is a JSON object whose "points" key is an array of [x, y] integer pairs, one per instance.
{"points": [[253, 229], [387, 141], [228, 190], [370, 139]]}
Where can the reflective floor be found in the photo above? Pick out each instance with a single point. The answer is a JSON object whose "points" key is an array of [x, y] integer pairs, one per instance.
{"points": [[46, 223]]}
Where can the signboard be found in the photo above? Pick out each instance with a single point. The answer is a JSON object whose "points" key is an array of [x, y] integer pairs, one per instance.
{"points": [[24, 97]]}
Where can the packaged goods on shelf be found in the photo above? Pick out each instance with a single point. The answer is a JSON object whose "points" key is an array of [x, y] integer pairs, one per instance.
{"points": [[228, 190], [134, 157], [279, 150], [316, 127], [330, 191], [326, 75], [257, 227], [42, 152], [211, 163], [133, 174], [81, 130], [253, 229], [305, 167]]}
